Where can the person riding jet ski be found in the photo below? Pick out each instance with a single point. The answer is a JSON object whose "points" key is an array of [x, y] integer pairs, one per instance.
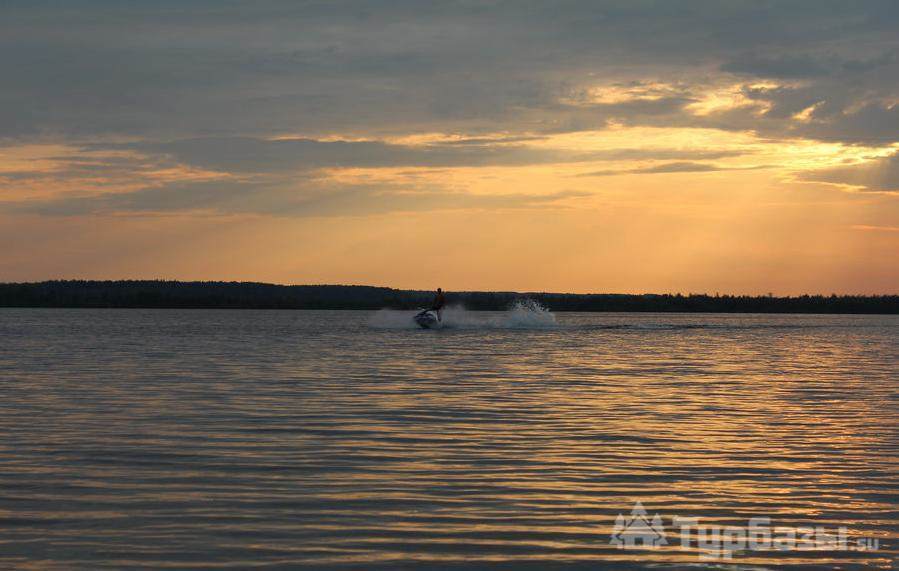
{"points": [[431, 317], [438, 303]]}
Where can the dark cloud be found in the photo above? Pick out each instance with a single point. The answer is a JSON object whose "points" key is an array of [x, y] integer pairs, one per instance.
{"points": [[166, 70], [679, 167], [669, 154], [674, 167], [488, 141], [836, 117], [281, 177], [282, 199], [213, 85], [788, 66], [800, 66], [873, 123], [784, 102], [247, 154], [880, 175], [252, 155]]}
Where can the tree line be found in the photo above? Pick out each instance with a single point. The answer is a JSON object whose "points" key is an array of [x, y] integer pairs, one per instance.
{"points": [[252, 295]]}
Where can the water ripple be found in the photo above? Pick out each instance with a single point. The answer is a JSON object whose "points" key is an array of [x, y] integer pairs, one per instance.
{"points": [[242, 439]]}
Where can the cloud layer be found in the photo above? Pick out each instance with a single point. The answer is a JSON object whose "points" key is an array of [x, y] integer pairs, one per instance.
{"points": [[740, 129], [171, 70], [280, 87]]}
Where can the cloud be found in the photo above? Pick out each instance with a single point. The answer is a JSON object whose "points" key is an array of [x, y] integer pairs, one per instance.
{"points": [[254, 155], [487, 141], [873, 123], [625, 154], [783, 66], [802, 66], [248, 154], [674, 167], [866, 228], [283, 198], [240, 174], [678, 167], [272, 93], [275, 67], [879, 175]]}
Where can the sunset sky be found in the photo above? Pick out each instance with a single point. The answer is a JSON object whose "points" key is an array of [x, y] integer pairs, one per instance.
{"points": [[739, 147]]}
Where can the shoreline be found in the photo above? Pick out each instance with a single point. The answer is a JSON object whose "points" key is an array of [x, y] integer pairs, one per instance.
{"points": [[160, 294]]}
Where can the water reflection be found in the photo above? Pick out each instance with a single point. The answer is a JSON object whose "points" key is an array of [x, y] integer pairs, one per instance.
{"points": [[194, 438]]}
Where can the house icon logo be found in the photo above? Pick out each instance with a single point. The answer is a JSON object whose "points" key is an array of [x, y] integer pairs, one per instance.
{"points": [[638, 531]]}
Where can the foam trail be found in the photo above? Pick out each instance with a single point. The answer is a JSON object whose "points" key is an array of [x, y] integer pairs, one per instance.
{"points": [[528, 314], [524, 314], [393, 319]]}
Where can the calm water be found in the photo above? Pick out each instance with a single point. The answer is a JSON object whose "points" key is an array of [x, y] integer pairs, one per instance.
{"points": [[242, 439]]}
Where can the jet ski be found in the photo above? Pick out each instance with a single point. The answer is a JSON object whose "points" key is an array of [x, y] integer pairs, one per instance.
{"points": [[427, 319]]}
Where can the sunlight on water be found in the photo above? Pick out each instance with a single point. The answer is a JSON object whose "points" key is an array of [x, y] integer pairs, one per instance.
{"points": [[196, 439]]}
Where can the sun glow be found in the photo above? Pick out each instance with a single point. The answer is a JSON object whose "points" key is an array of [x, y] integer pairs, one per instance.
{"points": [[728, 97], [624, 92]]}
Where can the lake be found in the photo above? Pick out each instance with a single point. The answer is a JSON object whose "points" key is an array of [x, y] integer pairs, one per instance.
{"points": [[208, 439]]}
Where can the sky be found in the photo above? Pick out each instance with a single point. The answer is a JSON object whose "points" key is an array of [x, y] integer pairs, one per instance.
{"points": [[629, 146]]}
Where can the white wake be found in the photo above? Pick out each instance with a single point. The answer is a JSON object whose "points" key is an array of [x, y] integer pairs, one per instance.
{"points": [[523, 314]]}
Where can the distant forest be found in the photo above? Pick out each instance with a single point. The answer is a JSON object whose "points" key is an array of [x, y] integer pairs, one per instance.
{"points": [[250, 295]]}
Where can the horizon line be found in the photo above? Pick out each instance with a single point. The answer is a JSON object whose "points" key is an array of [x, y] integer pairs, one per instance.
{"points": [[451, 290]]}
